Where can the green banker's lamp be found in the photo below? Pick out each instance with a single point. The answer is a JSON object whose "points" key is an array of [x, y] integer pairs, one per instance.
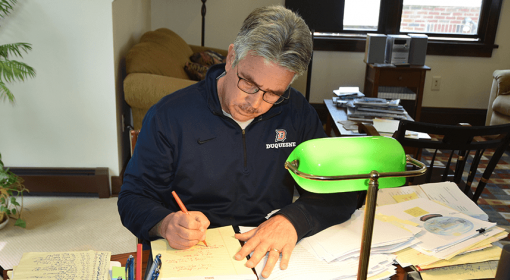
{"points": [[347, 164]]}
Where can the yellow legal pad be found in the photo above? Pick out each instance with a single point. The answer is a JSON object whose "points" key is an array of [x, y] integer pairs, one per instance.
{"points": [[201, 262]]}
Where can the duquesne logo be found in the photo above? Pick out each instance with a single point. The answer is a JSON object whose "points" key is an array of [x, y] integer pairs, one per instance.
{"points": [[281, 136]]}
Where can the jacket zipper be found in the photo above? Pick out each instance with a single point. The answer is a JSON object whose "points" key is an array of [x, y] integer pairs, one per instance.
{"points": [[244, 150]]}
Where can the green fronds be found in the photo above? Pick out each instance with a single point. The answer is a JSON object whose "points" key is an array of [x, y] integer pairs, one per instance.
{"points": [[6, 7], [5, 93], [12, 70], [14, 49]]}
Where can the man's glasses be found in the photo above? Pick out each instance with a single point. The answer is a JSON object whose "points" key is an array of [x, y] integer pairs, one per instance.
{"points": [[268, 96]]}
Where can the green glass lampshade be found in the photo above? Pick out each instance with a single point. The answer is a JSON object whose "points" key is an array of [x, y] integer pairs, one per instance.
{"points": [[342, 156]]}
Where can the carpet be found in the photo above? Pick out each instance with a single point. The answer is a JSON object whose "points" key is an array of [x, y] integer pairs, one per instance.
{"points": [[56, 224]]}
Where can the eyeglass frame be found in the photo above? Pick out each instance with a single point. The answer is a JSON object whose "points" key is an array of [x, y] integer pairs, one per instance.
{"points": [[281, 98]]}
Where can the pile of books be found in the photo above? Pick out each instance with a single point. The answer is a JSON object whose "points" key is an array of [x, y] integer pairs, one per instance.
{"points": [[345, 94], [367, 108]]}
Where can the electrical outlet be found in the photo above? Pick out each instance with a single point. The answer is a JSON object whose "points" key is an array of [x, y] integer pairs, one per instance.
{"points": [[436, 83]]}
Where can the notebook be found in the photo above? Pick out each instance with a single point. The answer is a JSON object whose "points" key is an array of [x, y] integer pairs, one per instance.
{"points": [[215, 261]]}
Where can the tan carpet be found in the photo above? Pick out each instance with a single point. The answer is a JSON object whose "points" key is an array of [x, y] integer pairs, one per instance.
{"points": [[56, 224]]}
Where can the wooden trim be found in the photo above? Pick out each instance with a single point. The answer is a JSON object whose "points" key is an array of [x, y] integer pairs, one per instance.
{"points": [[66, 180], [116, 184]]}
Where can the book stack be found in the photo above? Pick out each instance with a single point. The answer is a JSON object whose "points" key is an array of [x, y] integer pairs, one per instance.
{"points": [[346, 94], [367, 108]]}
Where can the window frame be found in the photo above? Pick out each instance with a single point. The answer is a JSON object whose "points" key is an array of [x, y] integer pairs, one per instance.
{"points": [[389, 23]]}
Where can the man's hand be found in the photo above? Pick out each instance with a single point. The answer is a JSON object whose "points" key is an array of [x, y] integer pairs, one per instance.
{"points": [[276, 235], [183, 231]]}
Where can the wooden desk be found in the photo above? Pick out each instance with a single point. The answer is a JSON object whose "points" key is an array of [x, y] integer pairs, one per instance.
{"points": [[122, 258], [412, 77]]}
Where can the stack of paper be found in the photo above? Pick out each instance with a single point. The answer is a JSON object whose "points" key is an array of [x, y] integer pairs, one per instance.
{"points": [[348, 92], [343, 241], [63, 265], [468, 258], [444, 230], [445, 193], [334, 252], [345, 94], [304, 265], [368, 108]]}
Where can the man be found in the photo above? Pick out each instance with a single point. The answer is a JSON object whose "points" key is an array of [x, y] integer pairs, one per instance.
{"points": [[221, 145]]}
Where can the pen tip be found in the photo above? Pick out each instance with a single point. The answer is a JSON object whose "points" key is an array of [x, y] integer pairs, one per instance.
{"points": [[205, 243]]}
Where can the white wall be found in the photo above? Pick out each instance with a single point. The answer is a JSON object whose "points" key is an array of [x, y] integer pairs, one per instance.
{"points": [[70, 114], [466, 81], [65, 116]]}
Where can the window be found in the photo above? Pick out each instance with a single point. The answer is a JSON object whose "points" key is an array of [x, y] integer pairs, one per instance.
{"points": [[454, 27]]}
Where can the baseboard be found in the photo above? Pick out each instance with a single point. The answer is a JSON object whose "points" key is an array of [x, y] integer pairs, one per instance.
{"points": [[80, 181], [451, 116]]}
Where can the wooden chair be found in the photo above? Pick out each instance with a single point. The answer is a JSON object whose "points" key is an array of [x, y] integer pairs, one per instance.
{"points": [[465, 144]]}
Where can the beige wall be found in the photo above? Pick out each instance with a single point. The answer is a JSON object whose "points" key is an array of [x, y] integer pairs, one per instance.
{"points": [[466, 81]]}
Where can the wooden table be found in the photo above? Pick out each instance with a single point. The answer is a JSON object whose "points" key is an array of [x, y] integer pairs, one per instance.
{"points": [[412, 77]]}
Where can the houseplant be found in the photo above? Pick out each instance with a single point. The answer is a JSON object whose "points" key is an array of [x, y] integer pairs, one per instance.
{"points": [[11, 186], [12, 70]]}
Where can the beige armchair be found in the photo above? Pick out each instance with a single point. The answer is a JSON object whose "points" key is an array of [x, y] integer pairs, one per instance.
{"points": [[498, 111], [155, 68]]}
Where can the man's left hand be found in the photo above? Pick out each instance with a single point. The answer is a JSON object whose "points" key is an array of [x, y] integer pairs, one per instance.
{"points": [[276, 236]]}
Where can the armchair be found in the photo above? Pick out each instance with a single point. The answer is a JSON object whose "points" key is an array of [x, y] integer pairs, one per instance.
{"points": [[498, 111], [155, 68]]}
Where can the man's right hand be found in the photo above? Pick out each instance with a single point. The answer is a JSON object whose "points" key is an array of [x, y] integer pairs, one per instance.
{"points": [[183, 231]]}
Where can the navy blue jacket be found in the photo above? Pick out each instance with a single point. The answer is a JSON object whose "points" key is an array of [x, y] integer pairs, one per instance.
{"points": [[233, 176]]}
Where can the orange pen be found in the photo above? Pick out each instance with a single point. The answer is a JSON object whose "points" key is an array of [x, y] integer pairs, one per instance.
{"points": [[183, 208]]}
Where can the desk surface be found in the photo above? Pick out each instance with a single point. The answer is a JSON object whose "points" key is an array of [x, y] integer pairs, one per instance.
{"points": [[336, 115], [400, 275]]}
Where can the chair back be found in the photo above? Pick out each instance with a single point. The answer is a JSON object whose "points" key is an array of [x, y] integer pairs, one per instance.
{"points": [[466, 143]]}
